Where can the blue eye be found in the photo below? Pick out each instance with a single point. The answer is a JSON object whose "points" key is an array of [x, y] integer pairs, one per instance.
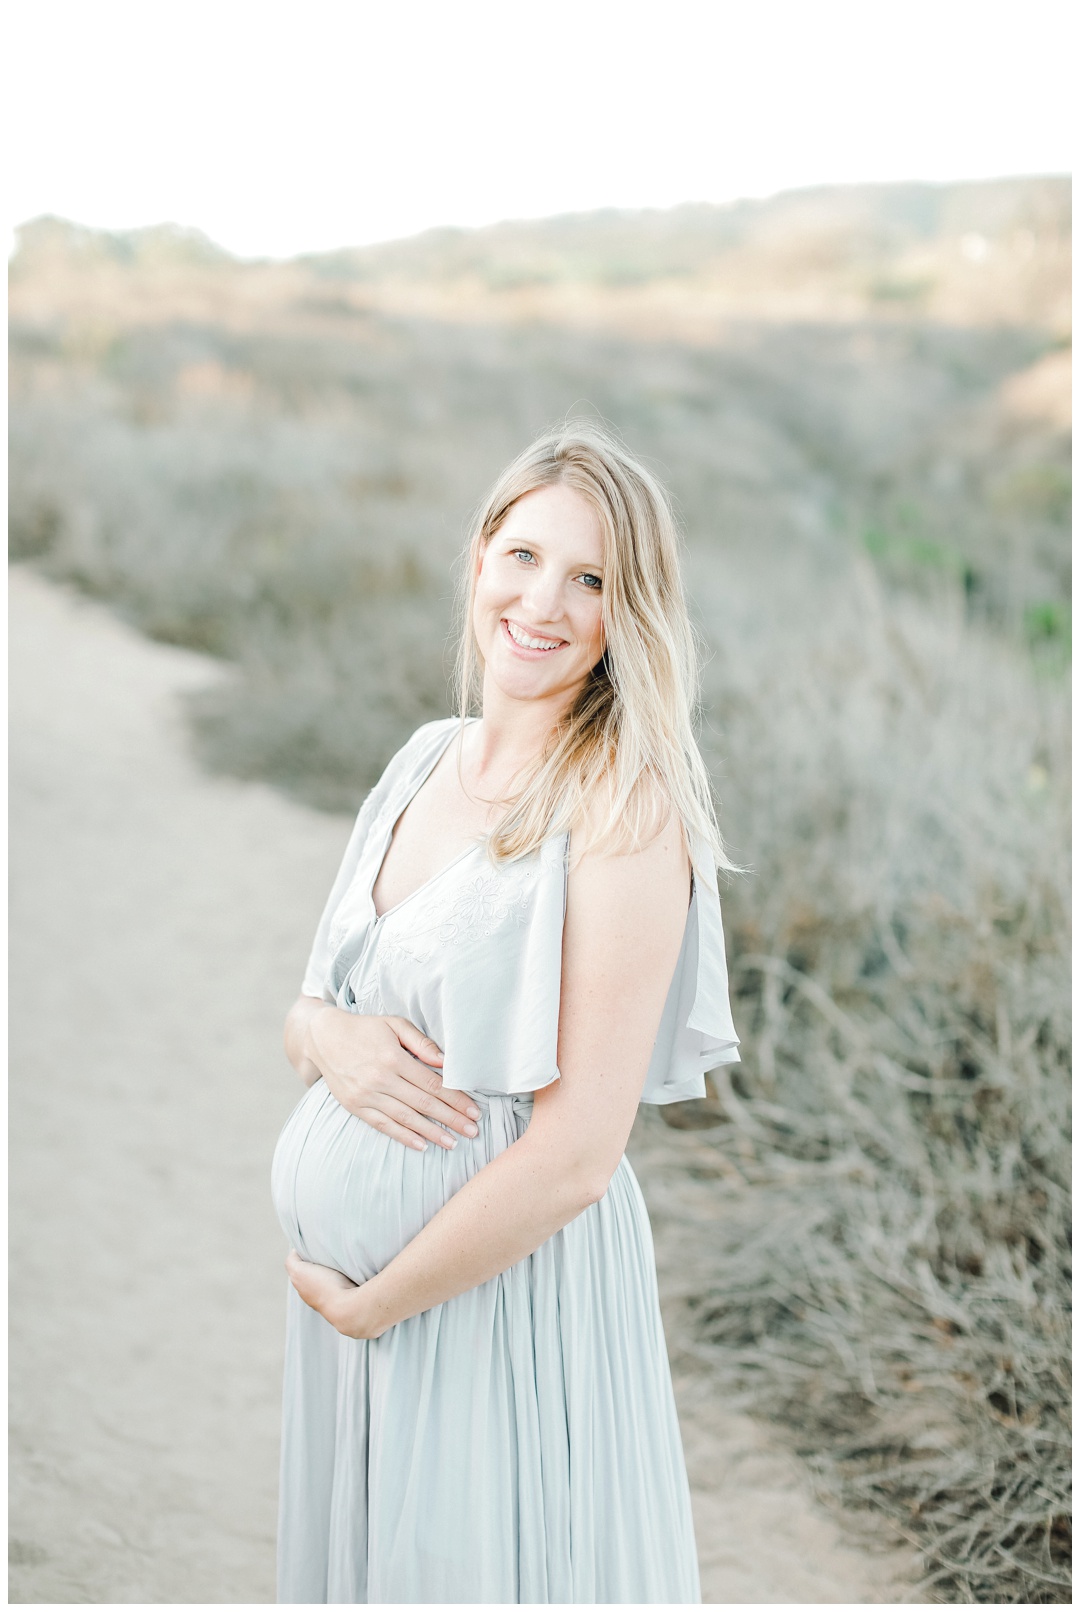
{"points": [[592, 581], [518, 552]]}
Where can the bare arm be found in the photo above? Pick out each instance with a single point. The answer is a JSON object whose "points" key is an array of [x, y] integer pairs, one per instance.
{"points": [[624, 925]]}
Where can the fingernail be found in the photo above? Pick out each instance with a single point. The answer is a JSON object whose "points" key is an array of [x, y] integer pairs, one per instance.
{"points": [[470, 1130], [421, 1147], [450, 1141], [473, 1113]]}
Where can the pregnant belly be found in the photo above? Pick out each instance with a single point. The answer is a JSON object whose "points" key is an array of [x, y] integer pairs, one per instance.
{"points": [[351, 1198]]}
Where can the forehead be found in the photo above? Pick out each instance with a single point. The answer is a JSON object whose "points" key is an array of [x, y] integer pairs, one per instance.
{"points": [[556, 519]]}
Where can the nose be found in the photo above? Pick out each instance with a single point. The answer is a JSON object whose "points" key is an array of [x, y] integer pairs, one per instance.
{"points": [[541, 597]]}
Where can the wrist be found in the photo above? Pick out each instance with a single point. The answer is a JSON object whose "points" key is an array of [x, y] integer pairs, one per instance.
{"points": [[356, 1317], [310, 1043]]}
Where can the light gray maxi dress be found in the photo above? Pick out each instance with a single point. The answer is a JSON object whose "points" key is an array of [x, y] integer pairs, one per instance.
{"points": [[518, 1443]]}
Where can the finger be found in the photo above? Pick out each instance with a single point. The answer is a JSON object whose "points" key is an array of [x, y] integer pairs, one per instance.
{"points": [[431, 1081], [296, 1263], [415, 1041], [387, 1126], [426, 1096], [459, 1100], [401, 1112]]}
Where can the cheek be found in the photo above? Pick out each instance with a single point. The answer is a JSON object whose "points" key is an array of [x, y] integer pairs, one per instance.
{"points": [[482, 593], [598, 634], [490, 589], [481, 619]]}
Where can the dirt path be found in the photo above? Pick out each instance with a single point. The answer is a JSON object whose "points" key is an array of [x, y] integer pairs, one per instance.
{"points": [[159, 924]]}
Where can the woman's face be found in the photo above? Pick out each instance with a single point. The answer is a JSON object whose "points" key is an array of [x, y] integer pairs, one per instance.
{"points": [[536, 610]]}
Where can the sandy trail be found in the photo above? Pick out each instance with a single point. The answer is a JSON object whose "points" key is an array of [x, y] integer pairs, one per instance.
{"points": [[160, 920]]}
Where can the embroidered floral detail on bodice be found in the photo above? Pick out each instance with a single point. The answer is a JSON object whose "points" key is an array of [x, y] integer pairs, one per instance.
{"points": [[458, 910], [367, 998]]}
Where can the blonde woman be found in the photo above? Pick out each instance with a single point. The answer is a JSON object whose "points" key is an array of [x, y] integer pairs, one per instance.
{"points": [[522, 944]]}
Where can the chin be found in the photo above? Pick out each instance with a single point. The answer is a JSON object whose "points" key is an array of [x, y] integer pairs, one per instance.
{"points": [[524, 688]]}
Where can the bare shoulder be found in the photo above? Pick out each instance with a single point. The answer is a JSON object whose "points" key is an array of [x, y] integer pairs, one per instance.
{"points": [[632, 899], [626, 915]]}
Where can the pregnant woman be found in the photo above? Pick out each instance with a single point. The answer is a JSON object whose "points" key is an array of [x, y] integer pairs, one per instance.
{"points": [[523, 943]]}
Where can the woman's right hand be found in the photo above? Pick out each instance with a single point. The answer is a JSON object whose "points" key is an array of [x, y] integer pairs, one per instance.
{"points": [[382, 1069]]}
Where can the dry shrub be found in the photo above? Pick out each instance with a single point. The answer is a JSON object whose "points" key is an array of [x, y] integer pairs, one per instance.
{"points": [[894, 1290], [319, 717]]}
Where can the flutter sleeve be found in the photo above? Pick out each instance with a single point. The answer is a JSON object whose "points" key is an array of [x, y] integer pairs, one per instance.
{"points": [[502, 977], [380, 805], [696, 1030], [317, 973], [501, 983]]}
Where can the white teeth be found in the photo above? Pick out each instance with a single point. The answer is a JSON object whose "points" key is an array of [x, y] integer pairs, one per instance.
{"points": [[526, 642]]}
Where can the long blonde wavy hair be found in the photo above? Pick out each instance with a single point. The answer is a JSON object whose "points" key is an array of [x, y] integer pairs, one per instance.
{"points": [[626, 748]]}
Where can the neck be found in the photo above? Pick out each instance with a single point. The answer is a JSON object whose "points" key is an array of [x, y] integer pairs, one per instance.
{"points": [[510, 735]]}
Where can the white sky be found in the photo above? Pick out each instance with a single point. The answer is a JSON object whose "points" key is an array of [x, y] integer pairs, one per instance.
{"points": [[293, 125]]}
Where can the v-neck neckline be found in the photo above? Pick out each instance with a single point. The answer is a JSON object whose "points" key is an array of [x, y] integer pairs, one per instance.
{"points": [[469, 850]]}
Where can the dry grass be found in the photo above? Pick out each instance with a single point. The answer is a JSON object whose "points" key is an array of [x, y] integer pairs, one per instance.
{"points": [[894, 1290], [265, 465]]}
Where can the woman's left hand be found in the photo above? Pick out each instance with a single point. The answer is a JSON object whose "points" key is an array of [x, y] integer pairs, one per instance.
{"points": [[331, 1293]]}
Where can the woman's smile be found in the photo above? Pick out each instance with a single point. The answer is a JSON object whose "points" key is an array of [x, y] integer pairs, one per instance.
{"points": [[528, 643]]}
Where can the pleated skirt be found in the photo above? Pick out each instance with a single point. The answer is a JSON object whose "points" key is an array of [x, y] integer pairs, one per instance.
{"points": [[517, 1444]]}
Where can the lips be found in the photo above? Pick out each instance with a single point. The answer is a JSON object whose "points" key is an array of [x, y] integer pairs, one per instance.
{"points": [[533, 645]]}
